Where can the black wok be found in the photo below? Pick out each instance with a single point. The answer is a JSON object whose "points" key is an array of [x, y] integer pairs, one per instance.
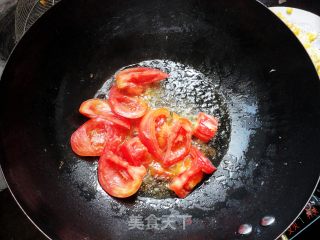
{"points": [[256, 67]]}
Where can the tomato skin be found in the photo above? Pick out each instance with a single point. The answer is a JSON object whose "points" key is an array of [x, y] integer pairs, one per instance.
{"points": [[147, 131], [183, 184], [135, 152], [167, 137], [126, 106], [179, 142], [132, 79], [202, 161], [117, 177], [206, 127], [91, 138], [95, 107]]}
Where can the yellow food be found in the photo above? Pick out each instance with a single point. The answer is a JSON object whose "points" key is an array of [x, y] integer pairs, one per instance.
{"points": [[312, 36], [289, 10], [306, 38]]}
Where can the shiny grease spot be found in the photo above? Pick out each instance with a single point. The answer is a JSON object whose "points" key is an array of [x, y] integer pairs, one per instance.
{"points": [[187, 92]]}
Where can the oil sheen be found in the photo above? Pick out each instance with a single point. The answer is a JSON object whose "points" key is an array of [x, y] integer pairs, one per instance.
{"points": [[186, 92]]}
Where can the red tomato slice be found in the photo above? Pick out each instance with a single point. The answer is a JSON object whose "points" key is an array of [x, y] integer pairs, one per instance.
{"points": [[126, 106], [195, 159], [94, 108], [133, 77], [183, 184], [179, 142], [201, 161], [134, 89], [149, 126], [94, 135], [167, 137], [206, 127], [117, 177], [135, 123], [159, 171], [135, 152], [162, 130]]}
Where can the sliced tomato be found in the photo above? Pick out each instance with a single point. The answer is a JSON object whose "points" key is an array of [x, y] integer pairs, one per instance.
{"points": [[117, 177], [195, 159], [159, 171], [94, 108], [134, 89], [149, 126], [206, 127], [183, 184], [96, 134], [133, 78], [167, 137], [179, 142], [162, 130], [201, 161], [135, 152], [135, 123], [126, 106], [191, 173]]}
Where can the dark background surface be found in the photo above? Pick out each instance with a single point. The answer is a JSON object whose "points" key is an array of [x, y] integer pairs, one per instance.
{"points": [[13, 223]]}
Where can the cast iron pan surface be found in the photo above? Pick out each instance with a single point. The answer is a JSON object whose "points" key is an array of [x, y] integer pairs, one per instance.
{"points": [[251, 66]]}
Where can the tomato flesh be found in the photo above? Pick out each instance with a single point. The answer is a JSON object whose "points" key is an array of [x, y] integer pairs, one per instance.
{"points": [[190, 176], [159, 171], [135, 152], [117, 177], [167, 137], [96, 134], [201, 161], [206, 127], [94, 108], [134, 89], [126, 106], [147, 130], [183, 184], [179, 142], [133, 79]]}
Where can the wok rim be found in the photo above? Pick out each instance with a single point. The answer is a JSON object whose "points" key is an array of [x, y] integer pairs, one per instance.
{"points": [[35, 25], [44, 234]]}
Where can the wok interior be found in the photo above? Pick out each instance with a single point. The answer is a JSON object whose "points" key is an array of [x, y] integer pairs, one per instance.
{"points": [[186, 92], [67, 56]]}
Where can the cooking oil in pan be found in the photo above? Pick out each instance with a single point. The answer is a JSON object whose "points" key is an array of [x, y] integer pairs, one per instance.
{"points": [[186, 92]]}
